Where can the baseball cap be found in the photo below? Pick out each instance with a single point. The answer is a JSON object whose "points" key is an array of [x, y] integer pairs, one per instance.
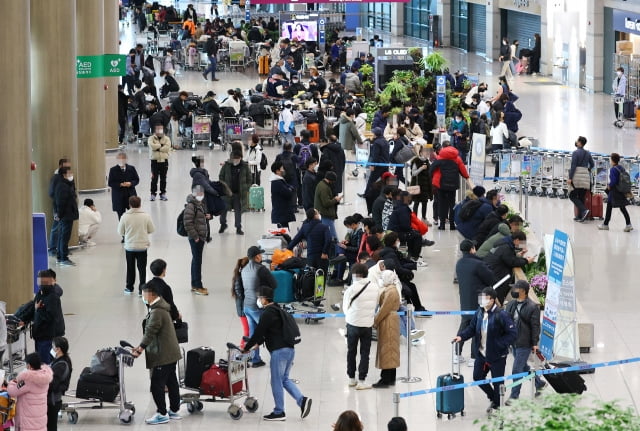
{"points": [[253, 251], [287, 103], [520, 284], [466, 245], [387, 175]]}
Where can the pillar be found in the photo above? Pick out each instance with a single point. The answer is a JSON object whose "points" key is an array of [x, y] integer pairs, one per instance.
{"points": [[397, 19], [444, 10], [16, 265], [111, 32], [91, 171], [493, 31], [595, 46]]}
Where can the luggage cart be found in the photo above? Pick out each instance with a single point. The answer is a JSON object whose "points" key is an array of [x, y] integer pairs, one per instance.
{"points": [[201, 131], [271, 243], [601, 173], [270, 130], [16, 350], [237, 372], [235, 129], [558, 180], [238, 55], [126, 408], [362, 157], [532, 163]]}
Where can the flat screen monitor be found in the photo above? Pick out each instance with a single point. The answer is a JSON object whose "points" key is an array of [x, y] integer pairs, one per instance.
{"points": [[300, 30], [386, 69]]}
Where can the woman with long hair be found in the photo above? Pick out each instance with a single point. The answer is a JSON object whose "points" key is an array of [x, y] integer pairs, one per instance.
{"points": [[348, 421], [237, 292]]}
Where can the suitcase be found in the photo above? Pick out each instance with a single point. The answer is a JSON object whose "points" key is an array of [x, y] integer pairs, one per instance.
{"points": [[637, 118], [314, 128], [215, 381], [263, 65], [284, 286], [629, 109], [450, 402], [199, 360], [305, 284], [563, 383], [97, 386], [595, 205], [256, 198]]}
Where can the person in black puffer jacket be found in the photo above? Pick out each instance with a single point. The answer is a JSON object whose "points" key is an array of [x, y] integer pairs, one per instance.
{"points": [[400, 222], [47, 315], [504, 257], [318, 240], [491, 220]]}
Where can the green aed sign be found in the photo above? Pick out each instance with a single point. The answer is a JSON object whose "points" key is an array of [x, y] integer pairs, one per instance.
{"points": [[99, 66]]}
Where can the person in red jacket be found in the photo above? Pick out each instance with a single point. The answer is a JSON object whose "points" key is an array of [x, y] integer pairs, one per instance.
{"points": [[445, 177]]}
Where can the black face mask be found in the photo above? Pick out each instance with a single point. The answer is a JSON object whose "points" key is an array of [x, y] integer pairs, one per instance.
{"points": [[515, 294]]}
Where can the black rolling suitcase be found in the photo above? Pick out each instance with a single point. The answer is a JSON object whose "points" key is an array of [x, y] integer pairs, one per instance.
{"points": [[629, 109], [97, 386], [199, 360], [563, 383]]}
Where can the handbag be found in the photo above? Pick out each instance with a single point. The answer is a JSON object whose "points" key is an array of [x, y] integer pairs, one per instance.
{"points": [[182, 331], [404, 154], [413, 190], [581, 178]]}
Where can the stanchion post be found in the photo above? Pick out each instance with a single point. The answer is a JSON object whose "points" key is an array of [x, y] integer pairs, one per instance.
{"points": [[396, 404], [408, 378]]}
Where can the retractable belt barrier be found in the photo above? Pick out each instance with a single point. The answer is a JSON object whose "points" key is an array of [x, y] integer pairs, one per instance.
{"points": [[398, 395], [501, 178], [400, 313], [353, 162]]}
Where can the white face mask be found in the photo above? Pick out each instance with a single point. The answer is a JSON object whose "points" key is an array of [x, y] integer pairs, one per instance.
{"points": [[619, 73], [483, 301], [199, 198], [349, 230], [121, 163], [397, 244], [52, 352], [259, 303], [70, 178], [235, 162], [145, 302]]}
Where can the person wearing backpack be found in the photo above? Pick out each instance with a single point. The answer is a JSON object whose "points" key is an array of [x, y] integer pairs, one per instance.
{"points": [[617, 189], [280, 333], [195, 223], [62, 369]]}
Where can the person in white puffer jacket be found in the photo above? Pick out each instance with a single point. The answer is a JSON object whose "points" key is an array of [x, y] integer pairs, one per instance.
{"points": [[359, 304]]}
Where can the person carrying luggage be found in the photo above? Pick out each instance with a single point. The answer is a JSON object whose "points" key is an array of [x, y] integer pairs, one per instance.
{"points": [[580, 177], [493, 330], [615, 197]]}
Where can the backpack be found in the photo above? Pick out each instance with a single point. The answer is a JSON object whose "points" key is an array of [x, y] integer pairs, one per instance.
{"points": [[303, 156], [469, 208], [290, 330], [624, 181], [104, 362], [182, 231], [263, 162], [305, 284]]}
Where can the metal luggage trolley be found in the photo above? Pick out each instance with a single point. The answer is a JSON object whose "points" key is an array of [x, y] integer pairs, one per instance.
{"points": [[601, 176], [238, 54], [560, 175], [16, 350], [362, 157], [237, 372], [533, 164], [235, 129], [546, 174], [270, 130], [126, 408], [201, 131], [632, 166]]}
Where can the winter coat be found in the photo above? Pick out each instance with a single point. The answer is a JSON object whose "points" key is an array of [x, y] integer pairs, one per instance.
{"points": [[377, 208], [66, 202], [361, 311], [387, 322], [527, 322], [511, 116], [501, 333], [135, 226], [473, 275], [348, 133], [200, 177], [379, 121], [379, 151], [282, 209], [244, 183], [195, 220], [502, 259], [120, 195], [48, 320], [324, 201], [400, 219], [503, 231], [290, 164], [334, 152], [614, 197], [400, 265], [309, 184], [159, 341], [484, 229], [31, 405], [469, 227], [317, 236], [422, 179], [62, 369], [445, 170], [159, 148]]}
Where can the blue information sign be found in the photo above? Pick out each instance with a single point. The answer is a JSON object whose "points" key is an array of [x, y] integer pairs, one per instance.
{"points": [[441, 103]]}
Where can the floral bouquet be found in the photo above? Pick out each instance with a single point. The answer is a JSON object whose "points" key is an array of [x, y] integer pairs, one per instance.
{"points": [[539, 285]]}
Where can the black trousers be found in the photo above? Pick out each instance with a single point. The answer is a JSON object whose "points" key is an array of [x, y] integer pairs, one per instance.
{"points": [[161, 377], [413, 239], [464, 322], [52, 415], [623, 210], [236, 205], [139, 259], [388, 376], [447, 199], [358, 335], [159, 170], [577, 197], [315, 261]]}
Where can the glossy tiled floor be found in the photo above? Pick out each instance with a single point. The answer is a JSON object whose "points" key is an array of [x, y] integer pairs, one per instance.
{"points": [[98, 314]]}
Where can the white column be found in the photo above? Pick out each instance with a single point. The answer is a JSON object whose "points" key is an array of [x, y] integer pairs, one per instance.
{"points": [[397, 19], [492, 31], [444, 10], [595, 45]]}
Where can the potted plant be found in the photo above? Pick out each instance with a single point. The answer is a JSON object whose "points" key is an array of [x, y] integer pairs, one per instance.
{"points": [[433, 63]]}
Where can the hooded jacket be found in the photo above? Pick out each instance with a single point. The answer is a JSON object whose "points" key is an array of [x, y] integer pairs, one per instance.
{"points": [[200, 177], [348, 133], [527, 321], [317, 236], [502, 259], [31, 406], [324, 201], [469, 227], [195, 220], [361, 311], [445, 170], [503, 231], [159, 341], [485, 228], [48, 320]]}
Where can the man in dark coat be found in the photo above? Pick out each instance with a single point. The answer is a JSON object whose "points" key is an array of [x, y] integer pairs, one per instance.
{"points": [[282, 194], [505, 256], [309, 183], [123, 179], [53, 182], [473, 275], [66, 205], [47, 316], [333, 152], [318, 239], [379, 153], [491, 220]]}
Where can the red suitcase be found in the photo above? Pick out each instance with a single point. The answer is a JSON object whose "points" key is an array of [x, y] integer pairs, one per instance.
{"points": [[215, 381], [594, 203]]}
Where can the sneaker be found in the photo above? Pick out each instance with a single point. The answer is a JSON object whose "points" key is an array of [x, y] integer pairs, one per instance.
{"points": [[417, 334], [258, 364], [239, 232], [471, 363], [66, 262], [540, 388], [352, 382], [215, 79], [200, 291], [204, 76], [603, 227], [628, 228], [152, 198], [428, 222], [427, 243], [127, 291], [362, 385], [275, 417], [157, 419], [508, 402], [163, 197], [458, 359], [90, 244], [174, 416], [305, 407], [423, 316], [223, 227], [576, 219], [441, 228], [416, 342], [585, 214]]}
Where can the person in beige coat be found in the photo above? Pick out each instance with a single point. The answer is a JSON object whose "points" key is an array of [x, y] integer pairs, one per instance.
{"points": [[135, 226], [159, 148], [387, 323]]}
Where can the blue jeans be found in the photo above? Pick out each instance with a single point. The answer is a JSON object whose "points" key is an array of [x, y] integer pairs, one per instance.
{"points": [[64, 235], [520, 356], [42, 349], [196, 262], [213, 65], [403, 322], [253, 317], [288, 137], [53, 236], [331, 223], [281, 362]]}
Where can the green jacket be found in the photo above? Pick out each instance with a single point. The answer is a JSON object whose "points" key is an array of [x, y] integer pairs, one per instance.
{"points": [[324, 201], [245, 183], [159, 340]]}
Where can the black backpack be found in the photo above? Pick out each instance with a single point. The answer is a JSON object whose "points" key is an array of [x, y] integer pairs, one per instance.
{"points": [[624, 181], [469, 208], [182, 231], [290, 330], [263, 162], [305, 284]]}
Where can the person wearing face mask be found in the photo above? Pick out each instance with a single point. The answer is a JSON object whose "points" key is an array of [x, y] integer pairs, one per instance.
{"points": [[123, 179], [326, 202], [159, 149], [160, 344], [295, 88], [508, 254], [494, 331], [309, 183], [459, 131], [135, 226], [195, 223], [580, 178], [619, 87], [48, 318], [62, 369], [505, 58], [318, 240], [236, 174], [387, 323], [526, 316], [282, 195], [256, 158], [66, 204], [420, 177]]}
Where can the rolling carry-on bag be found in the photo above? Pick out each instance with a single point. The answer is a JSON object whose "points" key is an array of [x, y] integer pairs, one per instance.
{"points": [[563, 383], [284, 290], [450, 402], [215, 381], [263, 65], [629, 109], [594, 203], [97, 386], [256, 198], [199, 360], [305, 284]]}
